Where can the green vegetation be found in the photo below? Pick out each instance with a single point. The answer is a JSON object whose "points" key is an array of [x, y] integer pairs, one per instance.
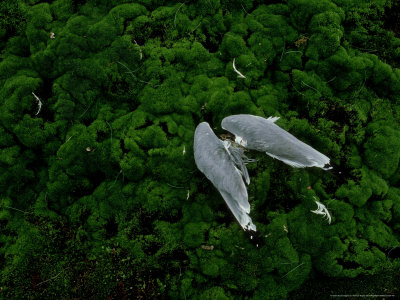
{"points": [[99, 194]]}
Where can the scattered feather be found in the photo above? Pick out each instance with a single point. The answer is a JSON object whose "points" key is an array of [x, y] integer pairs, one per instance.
{"points": [[209, 248], [273, 119], [322, 210], [39, 103], [240, 75], [140, 50]]}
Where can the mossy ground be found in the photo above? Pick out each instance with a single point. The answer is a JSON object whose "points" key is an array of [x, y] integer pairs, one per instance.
{"points": [[99, 194]]}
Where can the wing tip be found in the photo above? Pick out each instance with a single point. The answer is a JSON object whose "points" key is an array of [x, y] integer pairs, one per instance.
{"points": [[273, 119]]}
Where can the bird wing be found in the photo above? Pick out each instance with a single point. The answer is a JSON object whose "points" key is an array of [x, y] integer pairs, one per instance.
{"points": [[213, 159], [264, 135]]}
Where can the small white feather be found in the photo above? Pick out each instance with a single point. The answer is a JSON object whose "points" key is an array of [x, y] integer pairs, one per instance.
{"points": [[273, 119], [322, 210], [39, 103], [240, 75]]}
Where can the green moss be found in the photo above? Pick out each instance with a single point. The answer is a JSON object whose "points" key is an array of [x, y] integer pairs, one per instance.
{"points": [[99, 193]]}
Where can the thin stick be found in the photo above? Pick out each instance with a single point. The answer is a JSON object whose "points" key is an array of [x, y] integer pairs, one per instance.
{"points": [[310, 87], [54, 277], [177, 187], [245, 9], [85, 111], [177, 13], [365, 79], [331, 79], [293, 269], [25, 212], [69, 138], [110, 130], [283, 50], [293, 51], [117, 177], [364, 49], [297, 89], [196, 26], [130, 71], [392, 249]]}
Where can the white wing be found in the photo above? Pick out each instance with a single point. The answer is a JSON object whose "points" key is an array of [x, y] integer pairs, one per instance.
{"points": [[213, 159], [264, 135]]}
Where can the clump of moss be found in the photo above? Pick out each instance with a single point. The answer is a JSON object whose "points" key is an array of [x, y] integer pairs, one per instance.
{"points": [[99, 193]]}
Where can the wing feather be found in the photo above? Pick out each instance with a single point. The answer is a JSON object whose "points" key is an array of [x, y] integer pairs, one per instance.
{"points": [[264, 135], [215, 162]]}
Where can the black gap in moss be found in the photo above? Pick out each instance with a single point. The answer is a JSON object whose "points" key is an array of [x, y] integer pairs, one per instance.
{"points": [[84, 216], [212, 43], [392, 18], [392, 253], [207, 116], [122, 144], [145, 222], [45, 93], [76, 4], [348, 264], [111, 228], [164, 127], [320, 286], [101, 136], [12, 18], [95, 180], [337, 114]]}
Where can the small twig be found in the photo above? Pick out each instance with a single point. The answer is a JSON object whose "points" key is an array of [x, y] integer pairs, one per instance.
{"points": [[283, 50], [196, 27], [54, 277], [85, 111], [131, 72], [331, 79], [310, 87], [117, 177], [110, 130], [297, 89], [69, 138], [176, 187], [293, 51], [140, 50], [392, 249], [245, 10], [177, 13], [362, 85], [293, 269], [364, 49], [240, 75], [25, 212]]}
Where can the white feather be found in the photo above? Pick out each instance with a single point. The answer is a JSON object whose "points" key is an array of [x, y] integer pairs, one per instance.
{"points": [[322, 210]]}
